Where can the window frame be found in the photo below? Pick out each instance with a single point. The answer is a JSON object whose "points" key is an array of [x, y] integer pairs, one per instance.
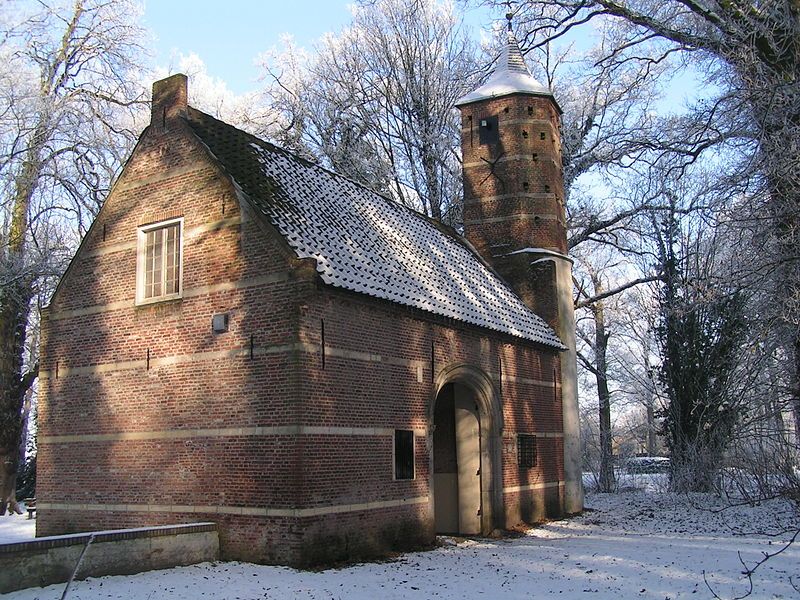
{"points": [[141, 249], [413, 455], [535, 445]]}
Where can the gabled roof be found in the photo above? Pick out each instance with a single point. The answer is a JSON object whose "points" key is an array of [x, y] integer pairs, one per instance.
{"points": [[510, 76], [365, 242]]}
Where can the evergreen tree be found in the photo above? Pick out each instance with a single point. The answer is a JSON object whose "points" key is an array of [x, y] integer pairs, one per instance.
{"points": [[701, 331]]}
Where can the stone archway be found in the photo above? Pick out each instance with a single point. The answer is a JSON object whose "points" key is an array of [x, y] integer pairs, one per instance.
{"points": [[465, 438]]}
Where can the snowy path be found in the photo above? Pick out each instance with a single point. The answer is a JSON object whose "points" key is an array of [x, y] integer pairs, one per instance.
{"points": [[631, 545]]}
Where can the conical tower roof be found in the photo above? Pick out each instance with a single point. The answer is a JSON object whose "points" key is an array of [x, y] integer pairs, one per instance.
{"points": [[510, 75]]}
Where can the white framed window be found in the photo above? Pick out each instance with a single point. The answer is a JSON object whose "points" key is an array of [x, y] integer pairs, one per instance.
{"points": [[159, 261]]}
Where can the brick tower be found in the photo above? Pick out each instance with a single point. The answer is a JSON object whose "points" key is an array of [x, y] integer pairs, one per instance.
{"points": [[514, 212]]}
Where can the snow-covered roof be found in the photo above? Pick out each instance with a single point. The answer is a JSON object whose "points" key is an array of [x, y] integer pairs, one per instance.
{"points": [[365, 242], [510, 76]]}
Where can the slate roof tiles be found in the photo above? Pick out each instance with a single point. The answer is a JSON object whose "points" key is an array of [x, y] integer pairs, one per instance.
{"points": [[365, 242], [510, 76]]}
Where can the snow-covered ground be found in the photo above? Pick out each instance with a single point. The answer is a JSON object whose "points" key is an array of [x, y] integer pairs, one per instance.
{"points": [[627, 545], [16, 528]]}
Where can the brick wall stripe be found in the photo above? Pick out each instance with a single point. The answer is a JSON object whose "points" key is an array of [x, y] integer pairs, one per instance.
{"points": [[354, 354], [92, 310], [532, 486], [508, 158], [174, 172], [241, 352], [310, 348], [221, 432], [110, 249], [530, 195], [512, 379], [201, 290], [173, 360], [236, 510], [419, 365], [543, 122], [516, 217], [190, 234]]}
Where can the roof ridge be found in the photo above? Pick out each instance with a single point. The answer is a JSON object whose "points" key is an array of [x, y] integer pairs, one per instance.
{"points": [[510, 75], [313, 163], [255, 138], [511, 55], [364, 241]]}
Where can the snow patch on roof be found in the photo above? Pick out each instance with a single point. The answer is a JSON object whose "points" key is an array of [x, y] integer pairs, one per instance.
{"points": [[510, 76], [366, 243]]}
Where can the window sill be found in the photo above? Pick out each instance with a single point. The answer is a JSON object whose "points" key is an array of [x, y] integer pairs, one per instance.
{"points": [[158, 300]]}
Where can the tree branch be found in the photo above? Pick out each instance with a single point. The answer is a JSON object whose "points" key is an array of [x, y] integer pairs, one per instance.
{"points": [[616, 290]]}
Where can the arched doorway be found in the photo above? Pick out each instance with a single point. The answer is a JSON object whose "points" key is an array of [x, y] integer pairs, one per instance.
{"points": [[457, 461], [465, 437]]}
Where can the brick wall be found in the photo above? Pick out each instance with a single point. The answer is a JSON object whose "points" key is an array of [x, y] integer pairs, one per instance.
{"points": [[380, 370], [140, 404], [279, 432]]}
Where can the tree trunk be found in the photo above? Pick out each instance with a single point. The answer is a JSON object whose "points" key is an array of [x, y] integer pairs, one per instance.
{"points": [[14, 309], [795, 400], [15, 299], [432, 189], [607, 480], [651, 428]]}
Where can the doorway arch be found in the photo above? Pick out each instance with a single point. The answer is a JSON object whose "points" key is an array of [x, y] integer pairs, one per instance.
{"points": [[465, 438]]}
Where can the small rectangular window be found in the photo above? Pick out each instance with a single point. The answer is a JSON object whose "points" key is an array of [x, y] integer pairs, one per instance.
{"points": [[158, 270], [403, 454], [488, 132], [526, 450]]}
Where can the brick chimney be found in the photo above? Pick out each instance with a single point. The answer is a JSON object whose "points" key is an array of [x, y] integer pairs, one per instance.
{"points": [[170, 100]]}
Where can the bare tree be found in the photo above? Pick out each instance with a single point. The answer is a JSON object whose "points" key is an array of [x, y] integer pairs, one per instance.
{"points": [[597, 364], [65, 105], [603, 277], [376, 100], [638, 359], [748, 121]]}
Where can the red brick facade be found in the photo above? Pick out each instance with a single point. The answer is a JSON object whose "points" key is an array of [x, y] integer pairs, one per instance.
{"points": [[281, 428], [514, 192]]}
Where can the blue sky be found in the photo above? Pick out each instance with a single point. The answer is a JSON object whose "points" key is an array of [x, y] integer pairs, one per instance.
{"points": [[229, 35]]}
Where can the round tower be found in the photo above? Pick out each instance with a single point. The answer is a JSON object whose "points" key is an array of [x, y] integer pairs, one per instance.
{"points": [[514, 213]]}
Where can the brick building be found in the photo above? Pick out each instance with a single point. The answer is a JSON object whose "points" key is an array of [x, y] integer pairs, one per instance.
{"points": [[248, 338]]}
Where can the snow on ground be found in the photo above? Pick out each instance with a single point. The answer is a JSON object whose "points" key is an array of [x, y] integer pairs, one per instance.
{"points": [[16, 528], [627, 545], [648, 482]]}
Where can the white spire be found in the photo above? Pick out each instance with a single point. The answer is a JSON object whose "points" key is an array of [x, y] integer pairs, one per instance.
{"points": [[510, 75]]}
